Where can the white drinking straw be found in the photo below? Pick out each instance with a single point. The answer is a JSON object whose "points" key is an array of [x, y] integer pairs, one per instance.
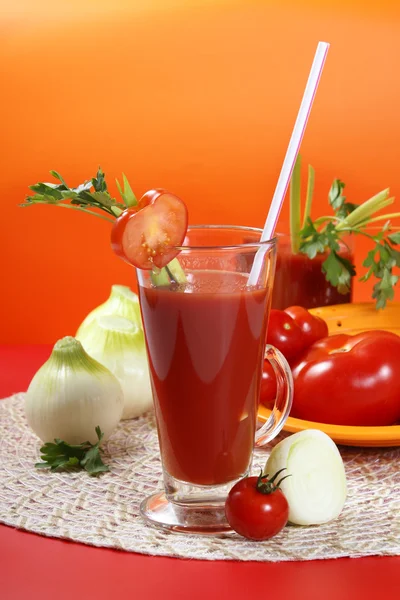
{"points": [[291, 155]]}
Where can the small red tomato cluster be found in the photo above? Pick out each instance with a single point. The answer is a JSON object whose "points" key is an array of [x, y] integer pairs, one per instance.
{"points": [[256, 507], [292, 331]]}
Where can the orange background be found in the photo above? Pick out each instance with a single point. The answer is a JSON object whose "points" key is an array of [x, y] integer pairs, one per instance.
{"points": [[197, 97]]}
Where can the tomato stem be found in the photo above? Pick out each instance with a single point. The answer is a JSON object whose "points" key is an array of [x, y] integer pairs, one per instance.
{"points": [[269, 486]]}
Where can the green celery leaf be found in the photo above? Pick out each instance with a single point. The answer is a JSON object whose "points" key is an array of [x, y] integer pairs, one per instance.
{"points": [[80, 197], [338, 271], [98, 182], [69, 195], [348, 271], [368, 274], [60, 456], [347, 264], [121, 191], [332, 239], [59, 177], [384, 253], [103, 198], [93, 462], [388, 281], [346, 209], [370, 260], [48, 189], [332, 268], [384, 290], [395, 237], [395, 255], [313, 242], [312, 247], [381, 261], [336, 199], [308, 229], [127, 194], [83, 187], [99, 433]]}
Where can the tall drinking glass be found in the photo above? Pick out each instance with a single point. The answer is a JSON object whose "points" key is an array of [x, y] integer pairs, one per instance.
{"points": [[206, 344]]}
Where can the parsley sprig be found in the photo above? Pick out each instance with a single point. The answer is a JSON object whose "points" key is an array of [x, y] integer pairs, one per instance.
{"points": [[91, 196], [325, 235], [61, 456]]}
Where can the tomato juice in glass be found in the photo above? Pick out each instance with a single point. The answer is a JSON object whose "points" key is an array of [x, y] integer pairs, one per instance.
{"points": [[205, 342], [300, 281]]}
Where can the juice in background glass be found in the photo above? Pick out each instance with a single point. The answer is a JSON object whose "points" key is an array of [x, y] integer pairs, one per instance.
{"points": [[206, 341], [299, 280]]}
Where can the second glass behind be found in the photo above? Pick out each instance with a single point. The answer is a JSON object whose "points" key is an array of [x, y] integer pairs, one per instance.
{"points": [[206, 343]]}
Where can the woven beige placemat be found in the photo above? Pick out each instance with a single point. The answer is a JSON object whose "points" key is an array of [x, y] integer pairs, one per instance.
{"points": [[104, 511]]}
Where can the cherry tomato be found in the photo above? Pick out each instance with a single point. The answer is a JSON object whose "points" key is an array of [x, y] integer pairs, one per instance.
{"points": [[313, 328], [256, 508], [285, 334], [268, 386], [349, 380], [145, 235]]}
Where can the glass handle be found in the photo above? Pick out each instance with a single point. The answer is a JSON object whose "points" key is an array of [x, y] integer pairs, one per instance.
{"points": [[283, 400]]}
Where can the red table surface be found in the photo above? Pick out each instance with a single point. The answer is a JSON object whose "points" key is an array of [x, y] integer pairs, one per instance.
{"points": [[34, 567]]}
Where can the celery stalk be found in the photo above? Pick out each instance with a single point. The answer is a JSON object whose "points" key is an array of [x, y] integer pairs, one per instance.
{"points": [[309, 196], [175, 271], [161, 278], [171, 272], [295, 209], [366, 209]]}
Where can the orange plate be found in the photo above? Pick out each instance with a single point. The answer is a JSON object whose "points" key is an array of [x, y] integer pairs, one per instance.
{"points": [[352, 319]]}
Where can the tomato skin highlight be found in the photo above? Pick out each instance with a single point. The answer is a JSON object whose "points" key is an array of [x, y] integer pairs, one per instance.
{"points": [[314, 328], [146, 235], [285, 334], [349, 380], [253, 514]]}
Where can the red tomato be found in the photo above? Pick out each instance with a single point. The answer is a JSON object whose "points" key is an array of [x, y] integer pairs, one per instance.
{"points": [[256, 508], [268, 386], [349, 380], [146, 234], [285, 334], [313, 328]]}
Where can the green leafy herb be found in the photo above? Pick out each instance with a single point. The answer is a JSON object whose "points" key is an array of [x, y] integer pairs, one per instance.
{"points": [[394, 238], [90, 196], [338, 269], [338, 201], [380, 262], [127, 193], [93, 197], [325, 235], [61, 456]]}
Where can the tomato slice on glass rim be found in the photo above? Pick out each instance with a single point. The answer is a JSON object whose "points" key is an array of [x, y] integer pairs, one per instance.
{"points": [[145, 235]]}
